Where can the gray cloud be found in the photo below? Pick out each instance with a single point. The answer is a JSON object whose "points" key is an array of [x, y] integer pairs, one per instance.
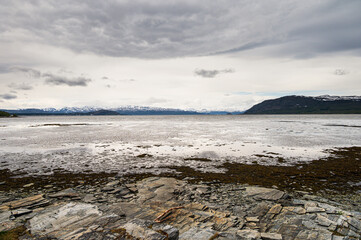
{"points": [[211, 73], [59, 80], [158, 29], [33, 73], [340, 72], [7, 96], [50, 78], [20, 86]]}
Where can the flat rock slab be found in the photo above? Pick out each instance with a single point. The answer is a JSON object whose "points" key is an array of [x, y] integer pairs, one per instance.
{"points": [[248, 234], [60, 220], [21, 211], [197, 233], [276, 209], [264, 193], [271, 236], [157, 189], [314, 209], [149, 230], [69, 192], [29, 202]]}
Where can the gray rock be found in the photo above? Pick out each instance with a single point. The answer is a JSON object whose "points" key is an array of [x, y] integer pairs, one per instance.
{"points": [[297, 210], [21, 211], [314, 210], [61, 220], [197, 233], [314, 235], [248, 234], [271, 236], [141, 229], [107, 189], [264, 193], [29, 202], [353, 234], [89, 198], [328, 208], [69, 192], [354, 223], [310, 204], [121, 192], [112, 184], [172, 232], [298, 202], [252, 219], [157, 189], [310, 224], [5, 216], [335, 237], [324, 221], [275, 209]]}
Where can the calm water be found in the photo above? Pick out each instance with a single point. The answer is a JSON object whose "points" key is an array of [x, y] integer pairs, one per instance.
{"points": [[124, 144]]}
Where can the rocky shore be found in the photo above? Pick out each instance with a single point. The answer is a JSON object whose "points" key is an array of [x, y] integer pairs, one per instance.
{"points": [[167, 208]]}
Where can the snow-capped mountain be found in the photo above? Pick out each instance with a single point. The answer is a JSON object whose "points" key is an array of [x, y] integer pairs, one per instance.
{"points": [[337, 98], [126, 110]]}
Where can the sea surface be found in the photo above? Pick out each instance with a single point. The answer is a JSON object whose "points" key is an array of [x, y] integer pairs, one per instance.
{"points": [[38, 145]]}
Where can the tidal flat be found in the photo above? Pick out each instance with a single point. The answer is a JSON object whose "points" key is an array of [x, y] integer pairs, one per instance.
{"points": [[247, 176]]}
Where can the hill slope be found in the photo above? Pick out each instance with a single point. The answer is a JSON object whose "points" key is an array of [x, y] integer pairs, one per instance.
{"points": [[6, 114], [308, 105]]}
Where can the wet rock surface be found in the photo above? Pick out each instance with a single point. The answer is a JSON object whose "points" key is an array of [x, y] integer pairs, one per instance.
{"points": [[167, 208]]}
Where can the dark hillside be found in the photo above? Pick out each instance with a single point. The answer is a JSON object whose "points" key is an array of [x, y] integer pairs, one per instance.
{"points": [[308, 105]]}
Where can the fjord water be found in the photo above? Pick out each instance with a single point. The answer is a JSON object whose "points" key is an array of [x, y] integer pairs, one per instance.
{"points": [[138, 144]]}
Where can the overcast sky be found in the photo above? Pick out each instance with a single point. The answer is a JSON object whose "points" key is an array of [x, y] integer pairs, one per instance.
{"points": [[215, 55]]}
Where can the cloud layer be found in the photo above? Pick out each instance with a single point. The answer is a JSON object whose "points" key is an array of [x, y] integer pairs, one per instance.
{"points": [[162, 29], [176, 53]]}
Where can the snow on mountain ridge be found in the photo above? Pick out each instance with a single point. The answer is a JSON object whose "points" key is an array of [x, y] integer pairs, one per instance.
{"points": [[93, 109], [337, 98]]}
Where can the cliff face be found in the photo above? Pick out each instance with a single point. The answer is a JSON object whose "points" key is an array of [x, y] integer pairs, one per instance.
{"points": [[308, 105]]}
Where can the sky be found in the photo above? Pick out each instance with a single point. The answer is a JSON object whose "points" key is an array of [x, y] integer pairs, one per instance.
{"points": [[199, 55]]}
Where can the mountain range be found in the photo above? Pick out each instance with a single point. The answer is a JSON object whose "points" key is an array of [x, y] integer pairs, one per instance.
{"points": [[325, 104], [128, 110]]}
